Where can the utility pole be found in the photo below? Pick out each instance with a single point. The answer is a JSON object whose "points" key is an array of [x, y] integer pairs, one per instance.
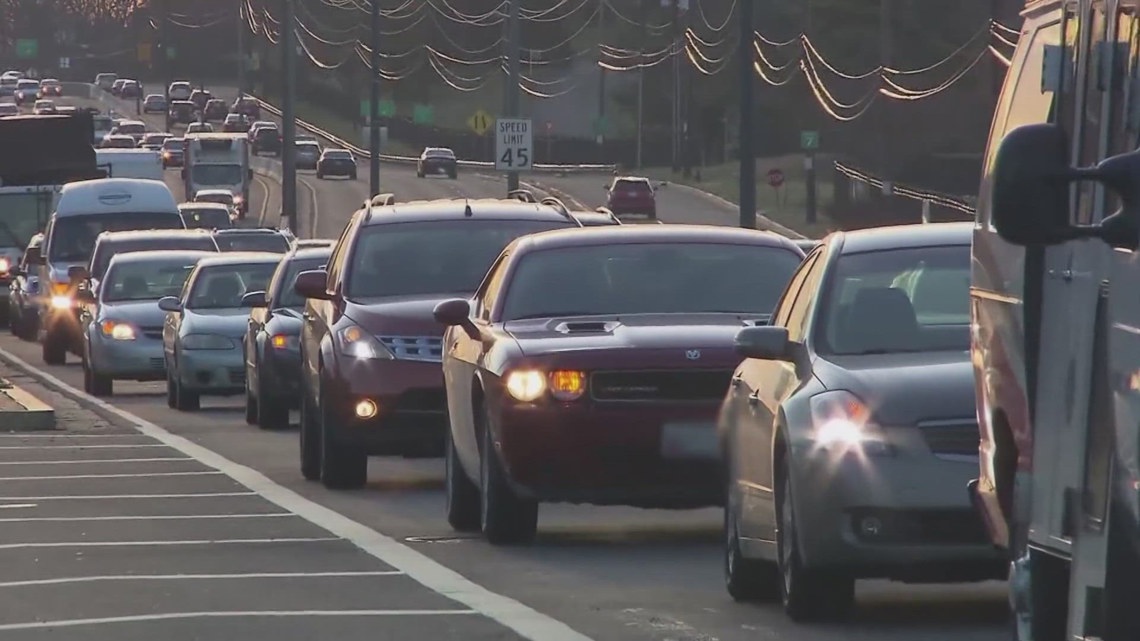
{"points": [[241, 57], [747, 135], [675, 49], [886, 53], [601, 127], [289, 118], [513, 62], [374, 104], [645, 4]]}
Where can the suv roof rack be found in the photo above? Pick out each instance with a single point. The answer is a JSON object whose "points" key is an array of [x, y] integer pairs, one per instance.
{"points": [[525, 195], [608, 212], [551, 201]]}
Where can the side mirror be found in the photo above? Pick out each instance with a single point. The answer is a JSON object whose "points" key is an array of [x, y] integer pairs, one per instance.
{"points": [[170, 304], [455, 313], [77, 273], [254, 300], [34, 256], [764, 342], [313, 284]]}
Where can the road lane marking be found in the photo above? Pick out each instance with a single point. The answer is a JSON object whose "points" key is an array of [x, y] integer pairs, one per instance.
{"points": [[171, 616], [143, 544], [165, 517], [106, 476], [522, 619], [101, 460], [17, 506], [264, 184], [64, 434], [197, 577], [116, 497], [83, 447], [313, 215]]}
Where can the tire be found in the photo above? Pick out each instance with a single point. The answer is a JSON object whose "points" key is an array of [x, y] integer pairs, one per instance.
{"points": [[250, 404], [54, 349], [343, 467], [171, 390], [463, 503], [808, 595], [272, 413], [96, 384], [184, 399], [505, 517], [746, 580], [310, 441]]}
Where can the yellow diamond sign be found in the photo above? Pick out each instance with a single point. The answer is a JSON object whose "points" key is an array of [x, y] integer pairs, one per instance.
{"points": [[480, 122]]}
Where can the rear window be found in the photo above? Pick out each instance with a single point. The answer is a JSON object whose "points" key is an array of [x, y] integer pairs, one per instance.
{"points": [[207, 218], [172, 143], [266, 132], [132, 128], [104, 251], [633, 185], [439, 153], [275, 243]]}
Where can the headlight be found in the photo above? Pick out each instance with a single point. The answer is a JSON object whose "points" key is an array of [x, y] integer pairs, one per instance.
{"points": [[567, 385], [4, 265], [526, 385], [117, 331], [281, 341], [839, 418], [61, 302], [207, 341], [355, 342]]}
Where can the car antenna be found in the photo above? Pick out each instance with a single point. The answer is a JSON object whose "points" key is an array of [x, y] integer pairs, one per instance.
{"points": [[467, 208]]}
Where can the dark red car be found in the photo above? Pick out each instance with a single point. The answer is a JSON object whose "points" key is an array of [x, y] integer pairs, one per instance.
{"points": [[589, 367], [631, 195], [371, 382]]}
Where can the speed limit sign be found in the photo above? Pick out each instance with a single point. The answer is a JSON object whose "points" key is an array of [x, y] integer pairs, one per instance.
{"points": [[513, 144]]}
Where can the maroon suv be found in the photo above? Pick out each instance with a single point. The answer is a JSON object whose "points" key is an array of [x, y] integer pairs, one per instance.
{"points": [[589, 367], [370, 347], [631, 195]]}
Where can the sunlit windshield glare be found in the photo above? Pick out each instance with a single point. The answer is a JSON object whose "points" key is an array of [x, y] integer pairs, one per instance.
{"points": [[145, 280], [649, 278], [222, 286], [901, 300], [446, 257], [73, 237], [275, 243]]}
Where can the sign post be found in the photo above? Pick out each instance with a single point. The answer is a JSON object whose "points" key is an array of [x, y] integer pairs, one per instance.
{"points": [[809, 143], [776, 182], [514, 144]]}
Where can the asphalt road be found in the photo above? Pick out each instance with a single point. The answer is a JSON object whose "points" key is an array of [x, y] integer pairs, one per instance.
{"points": [[609, 573]]}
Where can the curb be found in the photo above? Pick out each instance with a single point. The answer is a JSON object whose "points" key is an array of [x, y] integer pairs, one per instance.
{"points": [[762, 222], [22, 412]]}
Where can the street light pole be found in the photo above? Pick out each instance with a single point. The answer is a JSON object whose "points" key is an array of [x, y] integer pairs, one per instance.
{"points": [[513, 62], [374, 105], [289, 119], [241, 50], [747, 136]]}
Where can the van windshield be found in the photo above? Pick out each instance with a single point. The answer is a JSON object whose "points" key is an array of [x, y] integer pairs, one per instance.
{"points": [[22, 215], [73, 237]]}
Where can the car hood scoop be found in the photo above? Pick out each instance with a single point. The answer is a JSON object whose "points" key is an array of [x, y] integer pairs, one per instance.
{"points": [[586, 326]]}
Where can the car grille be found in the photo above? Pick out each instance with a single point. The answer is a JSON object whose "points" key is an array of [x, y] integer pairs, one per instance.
{"points": [[237, 375], [953, 437], [663, 385], [428, 349], [154, 332]]}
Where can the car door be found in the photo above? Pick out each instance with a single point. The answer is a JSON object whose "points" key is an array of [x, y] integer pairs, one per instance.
{"points": [[255, 327], [319, 315], [172, 325], [755, 389]]}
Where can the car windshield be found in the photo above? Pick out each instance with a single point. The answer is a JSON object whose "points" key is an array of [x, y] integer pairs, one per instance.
{"points": [[154, 139], [220, 198], [275, 243], [207, 218], [308, 148], [172, 143], [649, 278], [124, 142], [217, 174], [287, 296], [73, 237], [22, 215], [145, 280], [437, 257], [222, 286], [898, 300], [105, 251], [132, 128]]}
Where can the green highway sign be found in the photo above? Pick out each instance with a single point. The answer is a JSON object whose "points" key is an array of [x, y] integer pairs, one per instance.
{"points": [[27, 48], [171, 53], [423, 115], [809, 140], [601, 125], [387, 108]]}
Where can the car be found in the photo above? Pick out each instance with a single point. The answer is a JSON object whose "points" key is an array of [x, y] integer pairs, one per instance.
{"points": [[314, 243], [258, 124], [594, 363], [154, 103], [50, 87], [264, 140], [181, 112], [215, 110], [200, 97], [246, 106], [154, 141], [117, 86], [437, 161], [242, 239], [122, 323], [370, 348], [24, 292], [308, 154], [130, 89], [199, 128], [206, 215], [235, 123], [43, 107], [271, 343], [201, 336], [119, 141], [336, 162], [851, 434], [180, 90], [221, 197], [68, 110], [9, 109], [8, 86], [106, 81], [134, 128], [111, 243], [26, 91], [631, 195], [172, 152]]}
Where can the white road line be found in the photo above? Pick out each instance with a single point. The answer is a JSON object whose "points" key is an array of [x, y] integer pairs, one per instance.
{"points": [[63, 434], [106, 476], [15, 506], [116, 497], [165, 517], [197, 577], [128, 446], [525, 621], [171, 616], [100, 460], [143, 544]]}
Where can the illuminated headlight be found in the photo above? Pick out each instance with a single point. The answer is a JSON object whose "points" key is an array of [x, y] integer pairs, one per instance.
{"points": [[207, 341], [567, 385], [283, 342], [526, 385], [61, 301], [355, 342], [842, 420], [117, 331], [238, 200], [4, 265]]}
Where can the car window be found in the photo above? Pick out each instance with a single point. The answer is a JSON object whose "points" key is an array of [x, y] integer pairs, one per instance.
{"points": [[639, 186], [207, 218], [105, 251], [222, 286], [284, 294], [783, 308], [800, 313], [494, 283], [73, 237], [149, 280], [649, 278], [898, 300], [275, 243]]}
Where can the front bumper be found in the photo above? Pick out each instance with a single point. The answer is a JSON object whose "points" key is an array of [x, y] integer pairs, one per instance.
{"points": [[630, 454], [411, 415], [138, 360], [337, 170], [212, 372]]}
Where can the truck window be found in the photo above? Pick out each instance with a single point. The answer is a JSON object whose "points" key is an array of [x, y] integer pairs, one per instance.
{"points": [[1125, 91]]}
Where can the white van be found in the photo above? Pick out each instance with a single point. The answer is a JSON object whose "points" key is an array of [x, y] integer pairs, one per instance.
{"points": [[84, 210], [130, 163]]}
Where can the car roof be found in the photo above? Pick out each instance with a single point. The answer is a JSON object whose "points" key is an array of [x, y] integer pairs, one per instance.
{"points": [[902, 237], [119, 195], [249, 230], [203, 205], [135, 234], [458, 208], [335, 150], [156, 254], [239, 258], [306, 253], [215, 191], [627, 234], [636, 179], [128, 121]]}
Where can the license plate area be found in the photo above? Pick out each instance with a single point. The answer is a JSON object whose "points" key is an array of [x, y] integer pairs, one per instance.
{"points": [[689, 440]]}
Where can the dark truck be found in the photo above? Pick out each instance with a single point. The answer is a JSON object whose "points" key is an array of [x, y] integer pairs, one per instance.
{"points": [[54, 150]]}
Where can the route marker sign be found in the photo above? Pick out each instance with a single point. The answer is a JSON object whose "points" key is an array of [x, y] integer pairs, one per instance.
{"points": [[480, 122], [514, 144], [809, 140], [27, 48], [423, 114]]}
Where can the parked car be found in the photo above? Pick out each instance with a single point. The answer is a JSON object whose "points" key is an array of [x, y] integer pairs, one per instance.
{"points": [[336, 162], [437, 161], [201, 336], [271, 343], [24, 292]]}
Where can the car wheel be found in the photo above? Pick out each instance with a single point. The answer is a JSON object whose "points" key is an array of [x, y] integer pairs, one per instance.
{"points": [[745, 579], [343, 467], [506, 518], [184, 399], [462, 496], [96, 384], [54, 349], [310, 441], [808, 594], [272, 413], [250, 404], [171, 390]]}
